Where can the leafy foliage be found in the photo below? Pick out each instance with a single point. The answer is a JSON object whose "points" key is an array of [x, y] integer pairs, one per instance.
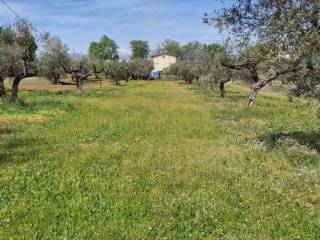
{"points": [[53, 56], [140, 49], [170, 47], [184, 70], [18, 43], [135, 69], [292, 26], [199, 61], [116, 71], [18, 47], [105, 49], [139, 69]]}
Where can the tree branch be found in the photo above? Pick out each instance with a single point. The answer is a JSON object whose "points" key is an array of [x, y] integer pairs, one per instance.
{"points": [[263, 82], [69, 71]]}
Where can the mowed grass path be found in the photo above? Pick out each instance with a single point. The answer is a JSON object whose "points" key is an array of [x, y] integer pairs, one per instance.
{"points": [[158, 160]]}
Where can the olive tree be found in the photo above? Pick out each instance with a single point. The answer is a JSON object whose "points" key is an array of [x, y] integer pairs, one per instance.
{"points": [[117, 71], [184, 70], [97, 68], [259, 65], [19, 42], [210, 63], [9, 53], [80, 70], [139, 69], [290, 25], [203, 62], [52, 57]]}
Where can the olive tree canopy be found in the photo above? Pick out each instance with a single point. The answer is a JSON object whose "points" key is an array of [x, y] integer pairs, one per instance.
{"points": [[53, 55], [19, 44], [293, 26]]}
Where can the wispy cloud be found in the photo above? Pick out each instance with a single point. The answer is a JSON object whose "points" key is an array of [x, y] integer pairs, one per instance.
{"points": [[80, 22]]}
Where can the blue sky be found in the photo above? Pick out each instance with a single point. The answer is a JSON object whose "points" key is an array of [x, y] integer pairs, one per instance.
{"points": [[80, 22]]}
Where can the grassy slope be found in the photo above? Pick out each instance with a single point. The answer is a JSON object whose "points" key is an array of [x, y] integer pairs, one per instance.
{"points": [[158, 160]]}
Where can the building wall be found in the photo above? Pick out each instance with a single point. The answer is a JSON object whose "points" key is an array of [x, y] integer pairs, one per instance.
{"points": [[163, 62]]}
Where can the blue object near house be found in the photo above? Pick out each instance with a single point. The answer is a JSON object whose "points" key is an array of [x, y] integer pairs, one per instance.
{"points": [[155, 74]]}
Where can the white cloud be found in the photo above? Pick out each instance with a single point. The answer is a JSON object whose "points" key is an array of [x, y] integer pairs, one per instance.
{"points": [[80, 22]]}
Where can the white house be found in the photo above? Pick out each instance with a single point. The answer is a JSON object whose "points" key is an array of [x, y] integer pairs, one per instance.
{"points": [[162, 62]]}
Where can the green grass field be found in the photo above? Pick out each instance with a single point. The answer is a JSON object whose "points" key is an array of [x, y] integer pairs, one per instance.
{"points": [[159, 160]]}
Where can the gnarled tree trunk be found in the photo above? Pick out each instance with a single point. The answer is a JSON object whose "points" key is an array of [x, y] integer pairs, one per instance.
{"points": [[77, 76], [222, 91], [94, 71], [56, 79], [255, 90], [15, 87], [189, 80], [212, 86], [117, 82], [259, 83], [262, 83], [78, 83], [17, 80], [2, 88]]}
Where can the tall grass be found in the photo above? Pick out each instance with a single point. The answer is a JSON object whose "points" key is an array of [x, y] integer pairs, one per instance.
{"points": [[159, 160]]}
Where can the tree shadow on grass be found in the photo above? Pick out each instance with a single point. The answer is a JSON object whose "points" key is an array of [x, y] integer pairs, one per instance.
{"points": [[19, 149], [4, 131], [237, 97], [34, 106], [310, 139]]}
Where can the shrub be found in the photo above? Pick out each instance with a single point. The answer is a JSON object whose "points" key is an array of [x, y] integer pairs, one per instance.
{"points": [[139, 68], [117, 71]]}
